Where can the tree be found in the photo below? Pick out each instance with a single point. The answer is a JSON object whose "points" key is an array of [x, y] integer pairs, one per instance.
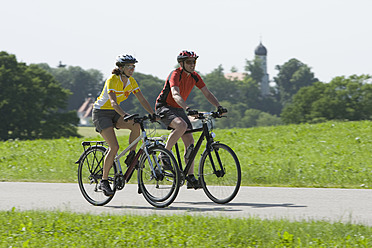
{"points": [[150, 86], [341, 99], [224, 89], [31, 103], [254, 69], [81, 83], [292, 76]]}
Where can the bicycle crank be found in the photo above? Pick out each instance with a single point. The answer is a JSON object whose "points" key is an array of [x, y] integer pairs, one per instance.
{"points": [[119, 181]]}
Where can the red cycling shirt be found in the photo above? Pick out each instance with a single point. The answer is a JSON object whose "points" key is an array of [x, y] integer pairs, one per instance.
{"points": [[184, 81]]}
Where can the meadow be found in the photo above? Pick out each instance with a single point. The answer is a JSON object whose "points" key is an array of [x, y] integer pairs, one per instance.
{"points": [[331, 154], [64, 229]]}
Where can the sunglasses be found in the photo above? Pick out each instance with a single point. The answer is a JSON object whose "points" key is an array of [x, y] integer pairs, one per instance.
{"points": [[130, 67], [190, 62]]}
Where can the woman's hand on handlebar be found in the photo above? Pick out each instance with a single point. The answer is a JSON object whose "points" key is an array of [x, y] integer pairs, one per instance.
{"points": [[129, 117], [154, 117]]}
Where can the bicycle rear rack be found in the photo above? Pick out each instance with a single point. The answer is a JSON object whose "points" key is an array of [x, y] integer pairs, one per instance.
{"points": [[88, 144]]}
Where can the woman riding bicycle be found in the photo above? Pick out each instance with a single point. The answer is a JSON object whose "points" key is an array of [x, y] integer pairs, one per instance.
{"points": [[108, 114]]}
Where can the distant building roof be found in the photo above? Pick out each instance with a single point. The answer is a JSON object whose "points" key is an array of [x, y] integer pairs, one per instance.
{"points": [[86, 108], [260, 50], [235, 75]]}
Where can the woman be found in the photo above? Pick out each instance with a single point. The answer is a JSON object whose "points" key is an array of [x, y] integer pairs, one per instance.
{"points": [[108, 114]]}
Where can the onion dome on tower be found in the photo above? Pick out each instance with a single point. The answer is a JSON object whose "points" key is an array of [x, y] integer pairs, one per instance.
{"points": [[260, 50], [261, 53]]}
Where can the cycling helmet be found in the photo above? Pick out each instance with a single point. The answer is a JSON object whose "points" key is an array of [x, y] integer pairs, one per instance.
{"points": [[185, 55], [125, 59]]}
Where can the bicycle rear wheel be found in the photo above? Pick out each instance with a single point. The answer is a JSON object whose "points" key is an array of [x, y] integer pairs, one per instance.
{"points": [[161, 189], [90, 174], [220, 173]]}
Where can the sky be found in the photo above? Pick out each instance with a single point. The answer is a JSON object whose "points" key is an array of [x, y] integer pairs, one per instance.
{"points": [[333, 37]]}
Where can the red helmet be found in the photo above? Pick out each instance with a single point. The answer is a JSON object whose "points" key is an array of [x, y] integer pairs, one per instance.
{"points": [[185, 55]]}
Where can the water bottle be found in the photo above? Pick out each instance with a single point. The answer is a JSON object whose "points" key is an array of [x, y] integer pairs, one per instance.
{"points": [[189, 151]]}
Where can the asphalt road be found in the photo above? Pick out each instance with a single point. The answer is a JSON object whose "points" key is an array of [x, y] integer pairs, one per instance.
{"points": [[344, 205]]}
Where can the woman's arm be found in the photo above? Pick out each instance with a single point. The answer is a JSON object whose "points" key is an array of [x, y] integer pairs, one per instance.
{"points": [[115, 104], [145, 104]]}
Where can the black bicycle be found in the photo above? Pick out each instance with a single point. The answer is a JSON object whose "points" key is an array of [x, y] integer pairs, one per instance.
{"points": [[219, 167], [158, 175]]}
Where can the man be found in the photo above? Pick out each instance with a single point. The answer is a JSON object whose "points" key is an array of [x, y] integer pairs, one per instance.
{"points": [[171, 104]]}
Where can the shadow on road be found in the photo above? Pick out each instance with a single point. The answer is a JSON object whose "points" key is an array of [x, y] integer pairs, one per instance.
{"points": [[266, 205], [172, 208], [229, 207]]}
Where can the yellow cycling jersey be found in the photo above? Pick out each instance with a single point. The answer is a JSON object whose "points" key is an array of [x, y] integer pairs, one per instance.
{"points": [[122, 91]]}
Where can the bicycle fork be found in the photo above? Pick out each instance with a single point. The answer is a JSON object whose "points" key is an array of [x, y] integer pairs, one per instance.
{"points": [[221, 172], [156, 171]]}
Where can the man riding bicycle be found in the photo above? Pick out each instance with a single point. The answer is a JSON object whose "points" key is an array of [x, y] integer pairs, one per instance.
{"points": [[171, 103]]}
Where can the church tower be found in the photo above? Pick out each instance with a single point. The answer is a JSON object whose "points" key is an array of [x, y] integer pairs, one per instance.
{"points": [[261, 53]]}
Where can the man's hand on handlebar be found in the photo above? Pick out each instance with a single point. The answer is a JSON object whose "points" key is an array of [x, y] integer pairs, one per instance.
{"points": [[221, 110], [191, 112]]}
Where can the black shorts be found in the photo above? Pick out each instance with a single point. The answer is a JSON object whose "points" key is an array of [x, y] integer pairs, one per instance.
{"points": [[170, 113], [104, 118]]}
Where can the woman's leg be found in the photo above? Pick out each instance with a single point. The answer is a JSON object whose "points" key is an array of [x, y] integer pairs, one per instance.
{"points": [[109, 135], [134, 128]]}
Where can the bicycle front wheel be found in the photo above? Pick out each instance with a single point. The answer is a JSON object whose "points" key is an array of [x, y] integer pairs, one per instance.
{"points": [[90, 174], [220, 173], [159, 185]]}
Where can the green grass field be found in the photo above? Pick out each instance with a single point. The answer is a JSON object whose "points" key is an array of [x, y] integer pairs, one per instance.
{"points": [[63, 229], [332, 154]]}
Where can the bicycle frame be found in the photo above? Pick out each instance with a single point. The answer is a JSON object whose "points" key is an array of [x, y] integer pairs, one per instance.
{"points": [[130, 169], [205, 134], [144, 148], [158, 179]]}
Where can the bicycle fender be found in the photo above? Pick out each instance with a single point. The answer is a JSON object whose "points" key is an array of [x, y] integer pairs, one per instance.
{"points": [[82, 155]]}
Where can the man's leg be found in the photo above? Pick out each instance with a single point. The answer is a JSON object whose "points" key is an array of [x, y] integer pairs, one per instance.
{"points": [[179, 128]]}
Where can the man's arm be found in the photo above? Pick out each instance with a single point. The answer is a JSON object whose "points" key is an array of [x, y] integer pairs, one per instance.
{"points": [[210, 97], [178, 98]]}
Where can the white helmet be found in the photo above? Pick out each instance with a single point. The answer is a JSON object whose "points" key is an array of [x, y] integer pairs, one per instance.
{"points": [[125, 59]]}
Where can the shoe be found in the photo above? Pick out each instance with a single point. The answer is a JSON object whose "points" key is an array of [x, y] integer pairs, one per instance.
{"points": [[165, 161], [105, 186], [192, 182]]}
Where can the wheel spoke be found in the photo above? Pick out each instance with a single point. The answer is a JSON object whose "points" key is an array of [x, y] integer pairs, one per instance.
{"points": [[220, 173], [89, 174]]}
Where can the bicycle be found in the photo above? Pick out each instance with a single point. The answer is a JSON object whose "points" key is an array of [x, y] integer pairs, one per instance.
{"points": [[219, 167], [159, 183]]}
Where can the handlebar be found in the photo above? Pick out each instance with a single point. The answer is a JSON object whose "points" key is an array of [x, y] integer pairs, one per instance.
{"points": [[141, 119], [208, 114]]}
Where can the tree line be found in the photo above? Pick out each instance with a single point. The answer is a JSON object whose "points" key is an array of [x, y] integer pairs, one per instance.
{"points": [[38, 101]]}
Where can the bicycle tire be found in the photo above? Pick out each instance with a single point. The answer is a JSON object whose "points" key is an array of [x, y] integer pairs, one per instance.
{"points": [[90, 174], [224, 187], [159, 192]]}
